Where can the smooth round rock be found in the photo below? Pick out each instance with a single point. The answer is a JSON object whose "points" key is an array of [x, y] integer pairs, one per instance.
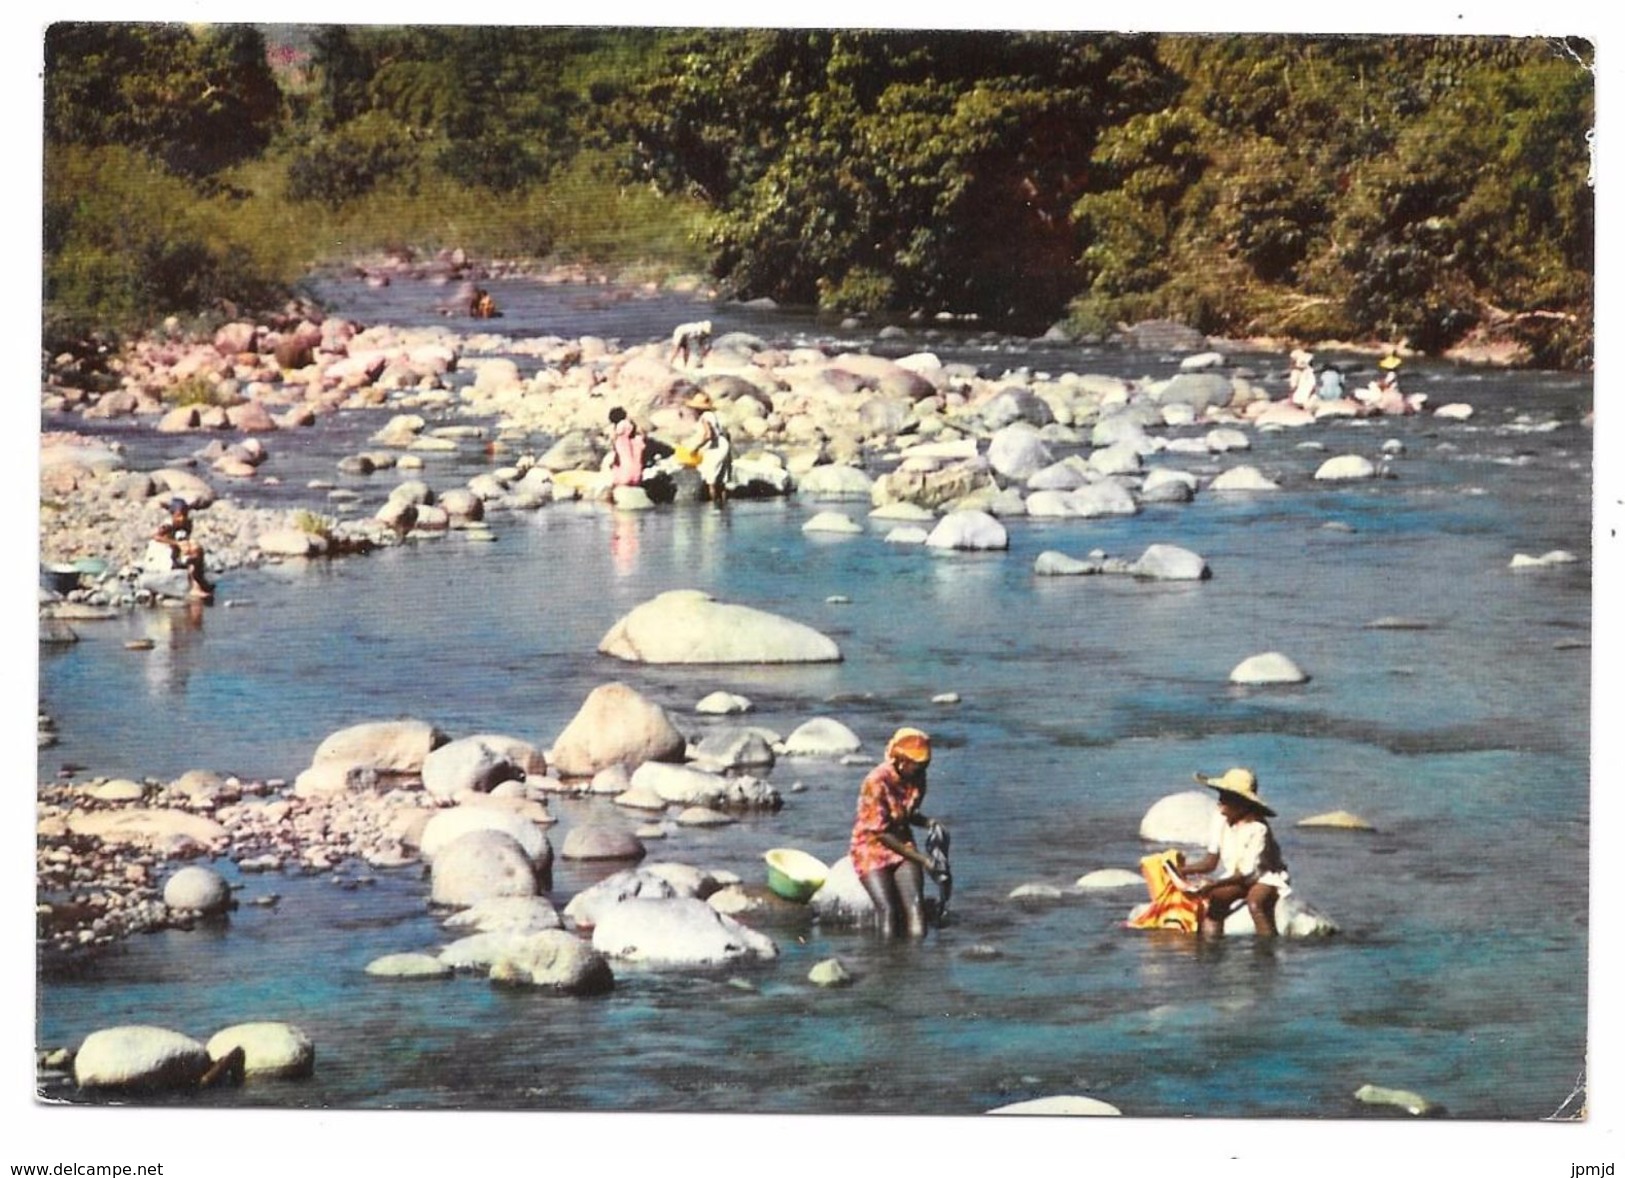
{"points": [[275, 1050], [201, 889]]}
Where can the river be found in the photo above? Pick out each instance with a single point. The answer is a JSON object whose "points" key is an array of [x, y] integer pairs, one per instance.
{"points": [[1461, 967]]}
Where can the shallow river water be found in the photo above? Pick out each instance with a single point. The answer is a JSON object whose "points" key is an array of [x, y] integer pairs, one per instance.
{"points": [[1082, 702]]}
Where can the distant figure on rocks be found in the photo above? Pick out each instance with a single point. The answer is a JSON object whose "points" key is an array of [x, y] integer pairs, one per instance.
{"points": [[1384, 395], [627, 445], [481, 305], [690, 341], [715, 452], [1301, 379], [1330, 388], [891, 868], [175, 533], [1241, 846]]}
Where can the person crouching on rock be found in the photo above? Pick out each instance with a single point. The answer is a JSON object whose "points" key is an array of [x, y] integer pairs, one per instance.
{"points": [[891, 868], [1242, 848], [175, 533]]}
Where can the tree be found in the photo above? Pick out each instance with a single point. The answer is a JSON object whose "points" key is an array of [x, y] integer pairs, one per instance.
{"points": [[197, 100]]}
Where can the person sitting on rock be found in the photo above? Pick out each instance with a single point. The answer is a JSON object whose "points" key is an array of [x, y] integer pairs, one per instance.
{"points": [[690, 341], [175, 533], [1242, 853], [1384, 395], [890, 867], [1330, 388]]}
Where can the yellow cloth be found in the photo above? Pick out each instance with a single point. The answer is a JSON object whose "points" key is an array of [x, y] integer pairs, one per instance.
{"points": [[1169, 907]]}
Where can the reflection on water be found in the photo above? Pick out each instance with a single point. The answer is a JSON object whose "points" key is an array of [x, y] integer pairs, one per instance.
{"points": [[176, 634]]}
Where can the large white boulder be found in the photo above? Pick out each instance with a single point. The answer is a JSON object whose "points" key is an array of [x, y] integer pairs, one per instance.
{"points": [[139, 1057], [480, 865], [1268, 669], [448, 826], [969, 530], [688, 626], [842, 899], [616, 724], [680, 785], [1243, 478], [386, 746], [474, 764], [835, 481], [556, 961], [1017, 452], [1168, 562], [675, 933], [506, 914], [822, 736], [1346, 467], [270, 1049], [588, 906], [201, 889], [1106, 497], [600, 842], [1183, 819]]}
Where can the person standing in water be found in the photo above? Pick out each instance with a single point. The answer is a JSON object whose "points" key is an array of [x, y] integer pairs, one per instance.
{"points": [[891, 868], [715, 451]]}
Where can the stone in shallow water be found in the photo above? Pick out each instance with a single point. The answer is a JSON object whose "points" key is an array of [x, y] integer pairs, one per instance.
{"points": [[1411, 1102], [1268, 669], [1058, 1106], [1336, 820]]}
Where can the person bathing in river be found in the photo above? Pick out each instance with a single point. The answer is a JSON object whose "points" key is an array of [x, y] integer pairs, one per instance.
{"points": [[481, 305], [175, 533], [1242, 854], [891, 868]]}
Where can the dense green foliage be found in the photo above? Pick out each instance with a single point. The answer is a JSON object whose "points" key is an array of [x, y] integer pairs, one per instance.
{"points": [[1416, 188]]}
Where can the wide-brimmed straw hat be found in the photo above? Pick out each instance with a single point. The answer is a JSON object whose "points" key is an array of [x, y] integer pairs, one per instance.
{"points": [[1299, 356], [911, 744], [699, 401], [1389, 362], [1239, 783]]}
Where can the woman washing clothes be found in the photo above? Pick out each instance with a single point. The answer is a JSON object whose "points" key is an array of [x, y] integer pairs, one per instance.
{"points": [[1243, 849], [715, 451], [891, 868]]}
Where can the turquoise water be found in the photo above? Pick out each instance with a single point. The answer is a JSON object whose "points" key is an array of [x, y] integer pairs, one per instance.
{"points": [[1083, 701]]}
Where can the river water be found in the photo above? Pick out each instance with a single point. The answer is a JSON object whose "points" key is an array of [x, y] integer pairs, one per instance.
{"points": [[1461, 968]]}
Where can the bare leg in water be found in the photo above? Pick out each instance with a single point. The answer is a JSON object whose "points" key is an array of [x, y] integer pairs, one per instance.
{"points": [[1222, 900], [898, 891]]}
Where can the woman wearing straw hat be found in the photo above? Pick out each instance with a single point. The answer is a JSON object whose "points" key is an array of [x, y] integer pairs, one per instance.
{"points": [[710, 443], [1242, 848], [891, 868]]}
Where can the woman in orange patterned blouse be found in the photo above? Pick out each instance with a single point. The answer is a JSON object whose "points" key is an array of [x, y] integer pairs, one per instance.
{"points": [[888, 863]]}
